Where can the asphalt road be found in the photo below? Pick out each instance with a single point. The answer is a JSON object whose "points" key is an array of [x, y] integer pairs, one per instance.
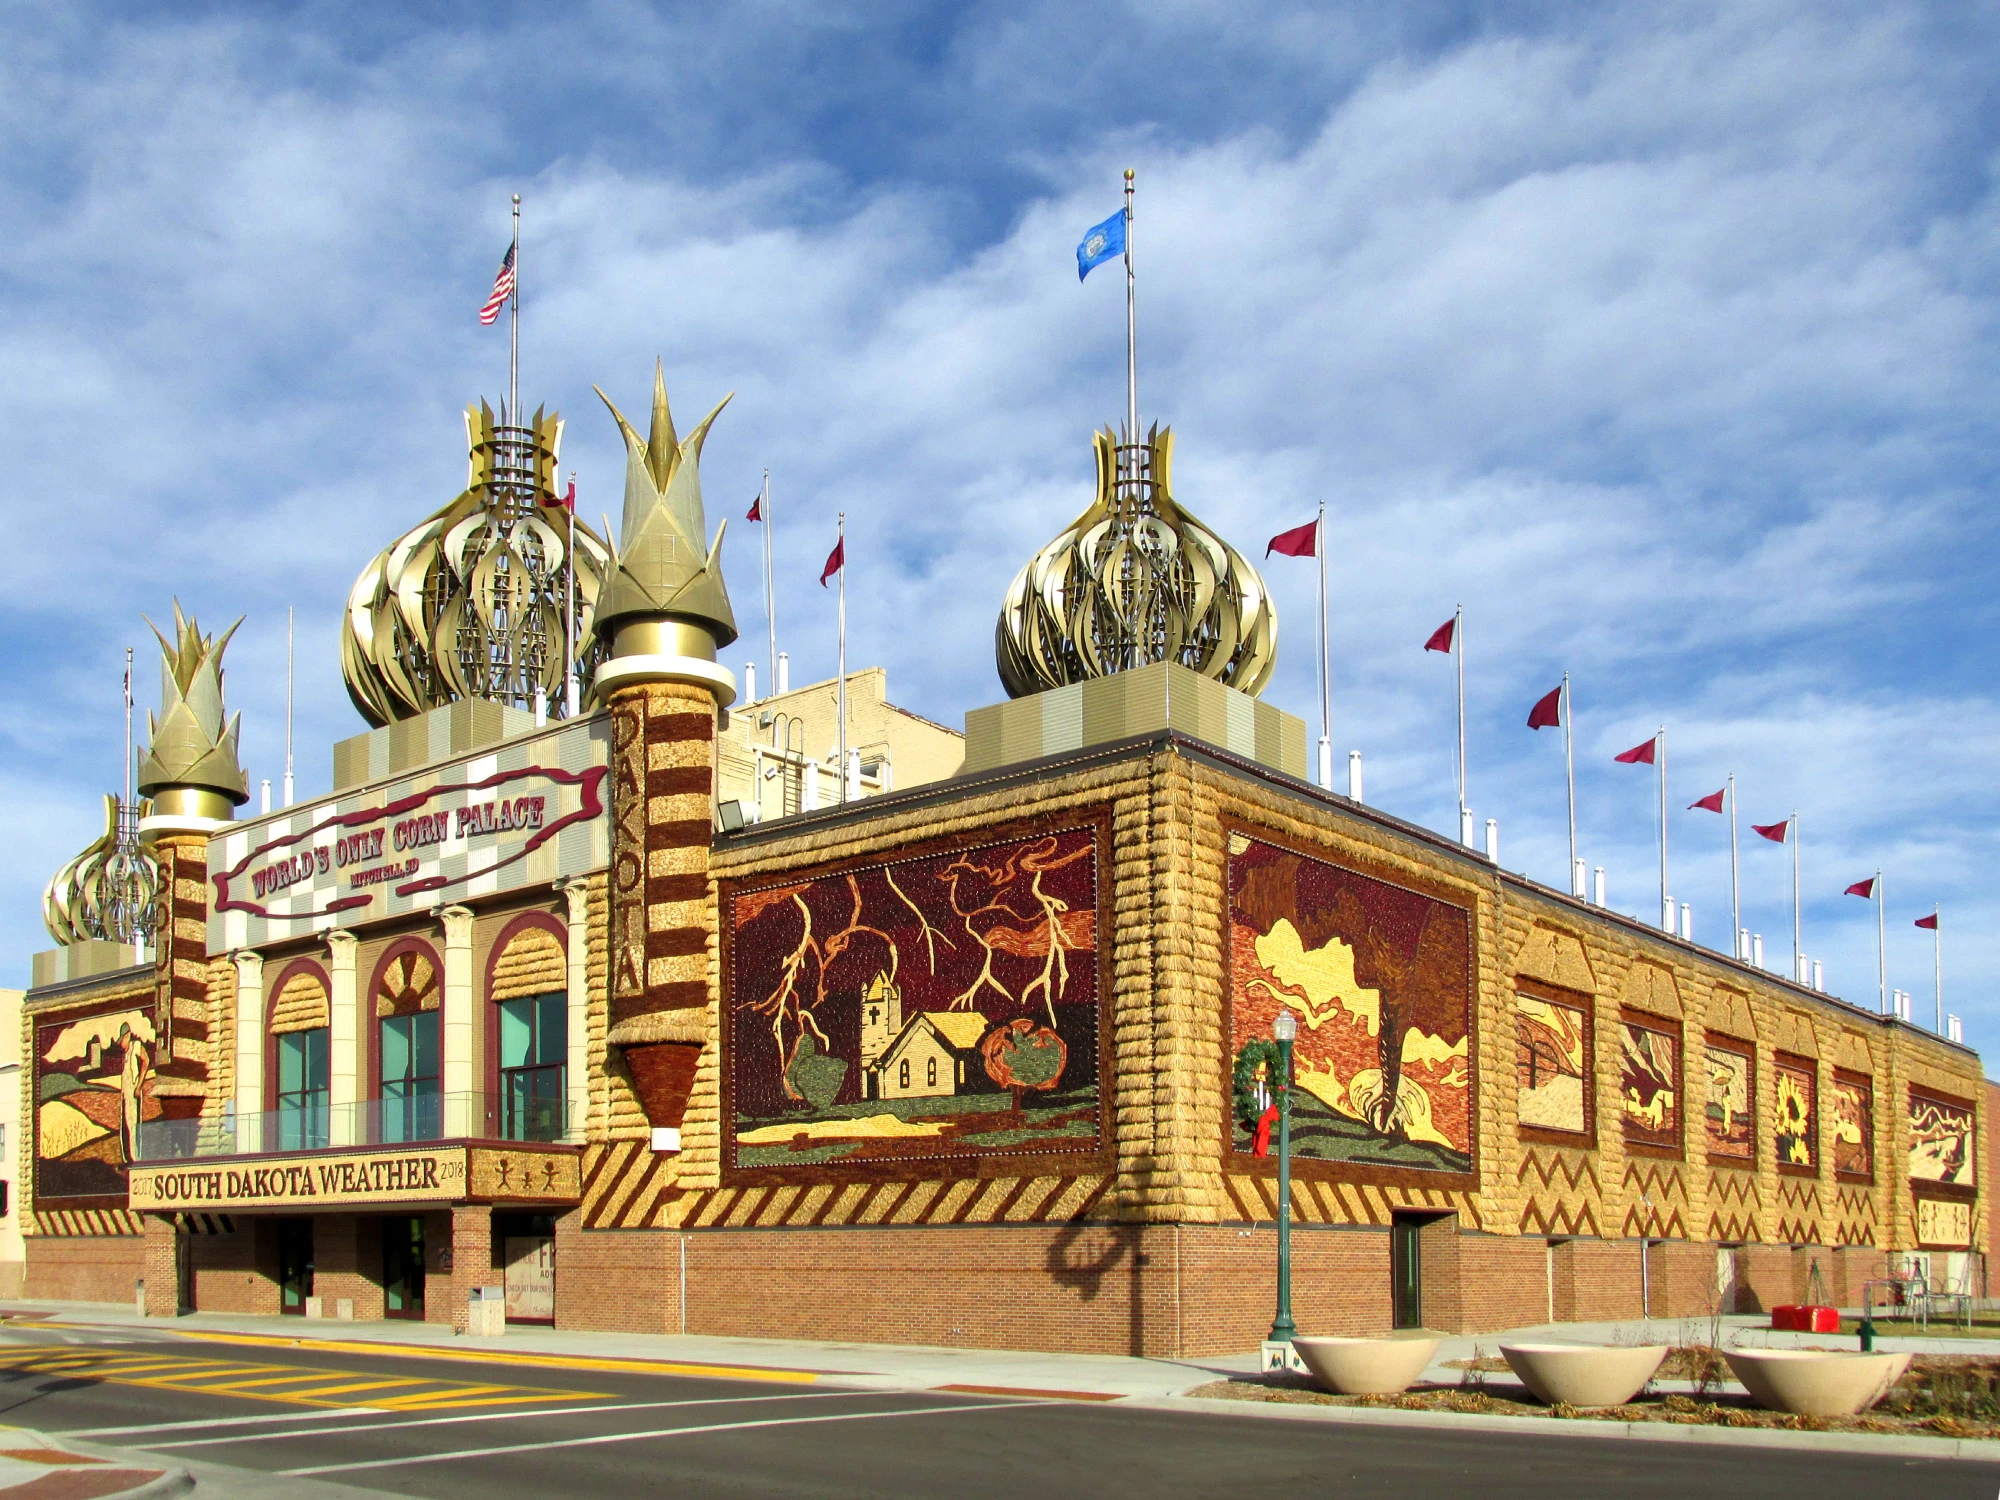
{"points": [[451, 1428]]}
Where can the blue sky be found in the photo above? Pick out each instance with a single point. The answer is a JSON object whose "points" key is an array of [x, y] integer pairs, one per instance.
{"points": [[1662, 338]]}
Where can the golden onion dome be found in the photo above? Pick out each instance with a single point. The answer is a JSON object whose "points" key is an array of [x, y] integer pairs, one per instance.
{"points": [[474, 602], [1135, 579], [107, 892]]}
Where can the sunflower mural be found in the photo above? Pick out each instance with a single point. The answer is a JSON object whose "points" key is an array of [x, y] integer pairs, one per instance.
{"points": [[1795, 1123]]}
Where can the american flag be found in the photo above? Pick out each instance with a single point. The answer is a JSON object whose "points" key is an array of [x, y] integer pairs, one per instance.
{"points": [[503, 288]]}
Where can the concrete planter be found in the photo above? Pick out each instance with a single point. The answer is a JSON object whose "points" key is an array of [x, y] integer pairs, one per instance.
{"points": [[1584, 1374], [1816, 1382], [1366, 1367]]}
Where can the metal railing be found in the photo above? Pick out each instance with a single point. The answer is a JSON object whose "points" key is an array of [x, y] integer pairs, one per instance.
{"points": [[367, 1122]]}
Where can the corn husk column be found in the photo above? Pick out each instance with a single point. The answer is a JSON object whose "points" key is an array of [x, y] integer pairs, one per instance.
{"points": [[665, 614], [192, 777]]}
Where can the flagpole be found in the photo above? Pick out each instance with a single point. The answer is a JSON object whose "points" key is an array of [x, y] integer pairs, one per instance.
{"points": [[514, 327], [1881, 942], [1937, 961], [570, 693], [288, 705], [770, 599], [128, 739], [1569, 778], [1798, 944], [841, 692], [1666, 901], [1323, 655], [1458, 650], [1735, 885], [1131, 334]]}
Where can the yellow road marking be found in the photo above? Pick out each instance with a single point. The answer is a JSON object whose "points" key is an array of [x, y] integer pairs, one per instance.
{"points": [[260, 1382], [497, 1357]]}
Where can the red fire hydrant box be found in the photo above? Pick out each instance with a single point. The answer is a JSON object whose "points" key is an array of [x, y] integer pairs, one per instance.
{"points": [[1805, 1318]]}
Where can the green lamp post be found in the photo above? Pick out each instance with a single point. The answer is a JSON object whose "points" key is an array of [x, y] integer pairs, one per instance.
{"points": [[1285, 1028]]}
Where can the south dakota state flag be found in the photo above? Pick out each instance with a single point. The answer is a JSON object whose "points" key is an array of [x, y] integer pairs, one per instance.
{"points": [[1103, 242]]}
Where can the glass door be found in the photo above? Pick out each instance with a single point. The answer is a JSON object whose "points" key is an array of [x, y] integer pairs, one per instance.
{"points": [[410, 1099], [534, 1047], [403, 1268], [302, 1090], [295, 1265], [1406, 1271]]}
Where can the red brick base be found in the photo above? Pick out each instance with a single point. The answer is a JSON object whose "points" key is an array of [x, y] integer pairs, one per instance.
{"points": [[84, 1268]]}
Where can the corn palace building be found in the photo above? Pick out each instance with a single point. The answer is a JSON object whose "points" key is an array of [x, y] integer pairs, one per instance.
{"points": [[647, 1010]]}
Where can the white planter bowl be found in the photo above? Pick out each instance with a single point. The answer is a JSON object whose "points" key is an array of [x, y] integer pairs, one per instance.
{"points": [[1816, 1382], [1584, 1374], [1366, 1367]]}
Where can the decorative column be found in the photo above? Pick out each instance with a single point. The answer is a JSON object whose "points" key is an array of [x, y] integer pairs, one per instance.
{"points": [[665, 612], [463, 1114], [577, 1006], [249, 1050], [345, 1126]]}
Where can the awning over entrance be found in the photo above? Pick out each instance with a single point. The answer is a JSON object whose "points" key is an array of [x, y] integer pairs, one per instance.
{"points": [[434, 1172]]}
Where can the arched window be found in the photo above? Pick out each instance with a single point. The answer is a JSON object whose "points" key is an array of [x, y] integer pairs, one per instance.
{"points": [[407, 995], [903, 1074], [527, 982], [930, 1073], [298, 1061]]}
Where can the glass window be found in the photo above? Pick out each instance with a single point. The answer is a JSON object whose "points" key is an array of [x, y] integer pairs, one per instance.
{"points": [[410, 1099], [302, 1090], [534, 1050]]}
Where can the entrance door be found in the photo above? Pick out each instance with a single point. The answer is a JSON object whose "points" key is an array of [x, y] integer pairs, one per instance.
{"points": [[1406, 1272], [527, 1244], [403, 1268], [183, 1271], [295, 1264]]}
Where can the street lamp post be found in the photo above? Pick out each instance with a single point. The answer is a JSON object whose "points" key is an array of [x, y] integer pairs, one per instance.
{"points": [[1284, 1028]]}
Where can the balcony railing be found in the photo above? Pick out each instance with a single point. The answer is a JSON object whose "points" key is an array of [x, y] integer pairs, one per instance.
{"points": [[369, 1122]]}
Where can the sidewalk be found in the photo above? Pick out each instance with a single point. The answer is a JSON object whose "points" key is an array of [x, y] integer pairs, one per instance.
{"points": [[34, 1467]]}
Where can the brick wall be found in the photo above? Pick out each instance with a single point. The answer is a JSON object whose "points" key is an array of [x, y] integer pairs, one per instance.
{"points": [[84, 1268], [1763, 1278], [1504, 1282], [237, 1272]]}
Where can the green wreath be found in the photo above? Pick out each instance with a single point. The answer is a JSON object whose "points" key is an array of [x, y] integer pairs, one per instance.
{"points": [[1243, 1093]]}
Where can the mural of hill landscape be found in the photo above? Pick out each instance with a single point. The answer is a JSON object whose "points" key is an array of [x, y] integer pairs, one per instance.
{"points": [[932, 1008], [1380, 978], [93, 1089]]}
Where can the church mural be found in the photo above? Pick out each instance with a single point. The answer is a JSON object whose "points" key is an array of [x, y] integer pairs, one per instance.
{"points": [[1940, 1140], [1727, 1117], [1649, 1085], [1795, 1119], [938, 1007], [94, 1088], [1551, 1064], [1380, 980], [1853, 1127]]}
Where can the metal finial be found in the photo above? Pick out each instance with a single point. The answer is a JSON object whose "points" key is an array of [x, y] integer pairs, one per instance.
{"points": [[1128, 174]]}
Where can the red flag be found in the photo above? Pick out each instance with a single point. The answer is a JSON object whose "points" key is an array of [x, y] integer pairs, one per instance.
{"points": [[835, 561], [1300, 541], [1441, 637], [756, 510], [1547, 712], [1929, 924], [567, 500], [1775, 832], [1711, 803], [1638, 755], [1862, 888], [1262, 1146]]}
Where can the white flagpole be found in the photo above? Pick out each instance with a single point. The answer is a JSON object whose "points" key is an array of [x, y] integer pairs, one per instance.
{"points": [[128, 737], [1666, 900], [288, 705], [1458, 650], [1735, 883], [770, 594], [1325, 663], [1569, 779], [841, 692], [514, 327], [1937, 961], [1798, 944], [1131, 330], [1881, 942], [570, 693]]}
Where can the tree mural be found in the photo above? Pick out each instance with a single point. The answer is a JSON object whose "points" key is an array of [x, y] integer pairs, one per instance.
{"points": [[890, 1009]]}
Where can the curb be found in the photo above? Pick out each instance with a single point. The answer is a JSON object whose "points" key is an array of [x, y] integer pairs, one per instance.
{"points": [[1970, 1450], [172, 1480]]}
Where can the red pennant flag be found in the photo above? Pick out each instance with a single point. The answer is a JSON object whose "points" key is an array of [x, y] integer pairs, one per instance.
{"points": [[1262, 1146], [567, 501], [1862, 888], [1300, 541], [835, 561], [1929, 924], [1711, 803], [1441, 637], [1638, 755], [1547, 712], [1775, 832], [756, 510]]}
